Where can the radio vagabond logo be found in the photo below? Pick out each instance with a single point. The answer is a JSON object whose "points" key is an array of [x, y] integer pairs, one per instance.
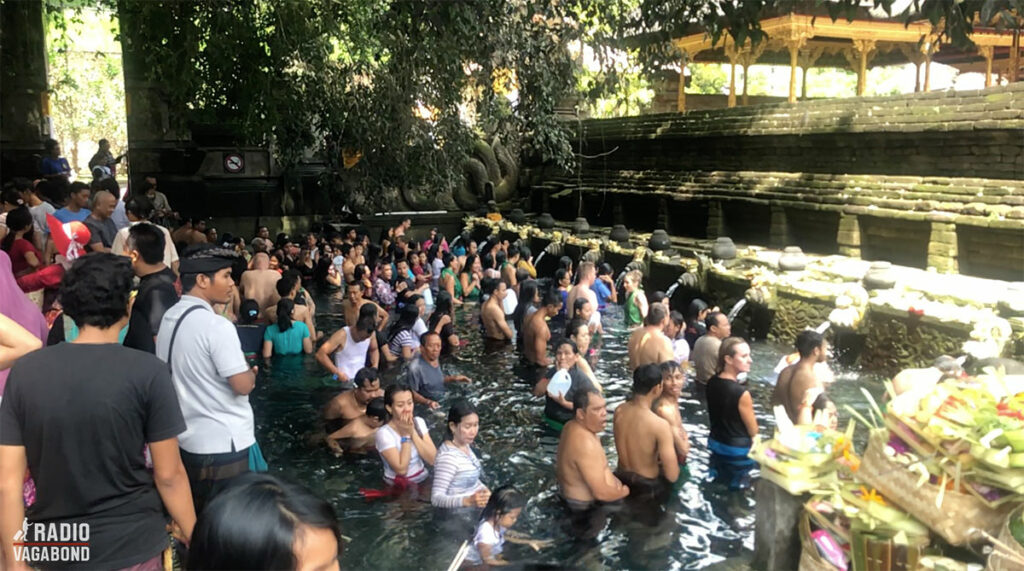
{"points": [[52, 542]]}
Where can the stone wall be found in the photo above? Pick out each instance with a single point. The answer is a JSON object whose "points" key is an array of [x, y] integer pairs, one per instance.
{"points": [[923, 180]]}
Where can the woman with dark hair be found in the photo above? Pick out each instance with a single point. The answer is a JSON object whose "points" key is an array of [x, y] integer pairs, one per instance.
{"points": [[456, 468], [287, 336], [442, 322], [402, 341], [696, 313], [262, 522], [306, 265], [529, 296], [19, 243], [362, 274], [250, 330], [448, 281], [560, 383], [500, 513], [469, 277], [404, 443]]}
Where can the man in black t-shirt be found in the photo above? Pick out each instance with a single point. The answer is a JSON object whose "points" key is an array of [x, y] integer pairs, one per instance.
{"points": [[78, 416], [145, 248]]}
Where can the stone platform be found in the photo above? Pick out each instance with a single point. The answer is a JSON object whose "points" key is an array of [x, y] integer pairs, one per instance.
{"points": [[924, 315]]}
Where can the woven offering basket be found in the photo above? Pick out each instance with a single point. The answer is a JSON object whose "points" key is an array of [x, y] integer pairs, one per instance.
{"points": [[810, 559], [953, 519], [1008, 554]]}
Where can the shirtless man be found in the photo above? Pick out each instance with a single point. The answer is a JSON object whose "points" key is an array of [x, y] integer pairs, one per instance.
{"points": [[667, 406], [288, 287], [347, 352], [647, 455], [492, 313], [350, 405], [260, 282], [508, 269], [354, 302], [581, 466], [648, 344], [537, 333], [588, 274], [353, 257], [797, 379], [359, 434]]}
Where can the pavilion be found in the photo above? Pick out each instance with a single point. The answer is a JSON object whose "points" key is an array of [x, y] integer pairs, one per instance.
{"points": [[805, 40]]}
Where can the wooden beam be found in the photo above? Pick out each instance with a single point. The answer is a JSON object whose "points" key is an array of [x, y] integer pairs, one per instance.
{"points": [[987, 52]]}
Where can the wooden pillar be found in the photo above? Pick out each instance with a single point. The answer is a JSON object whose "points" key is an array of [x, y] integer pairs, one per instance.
{"points": [[1014, 74], [681, 94], [987, 52], [803, 83], [793, 45], [746, 81], [928, 73], [732, 51], [859, 56], [806, 58], [917, 77]]}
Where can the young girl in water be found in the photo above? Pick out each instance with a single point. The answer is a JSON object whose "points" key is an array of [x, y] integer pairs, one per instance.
{"points": [[636, 301], [499, 515]]}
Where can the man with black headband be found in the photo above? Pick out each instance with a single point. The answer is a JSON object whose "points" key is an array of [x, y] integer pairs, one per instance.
{"points": [[209, 371]]}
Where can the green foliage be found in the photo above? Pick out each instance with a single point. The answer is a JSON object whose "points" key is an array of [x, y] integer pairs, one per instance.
{"points": [[86, 83], [410, 84]]}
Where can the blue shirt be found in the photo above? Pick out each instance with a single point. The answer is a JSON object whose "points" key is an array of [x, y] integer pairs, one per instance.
{"points": [[289, 342], [51, 165], [65, 215], [603, 293]]}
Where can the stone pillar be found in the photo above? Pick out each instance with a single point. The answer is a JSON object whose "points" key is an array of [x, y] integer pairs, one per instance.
{"points": [[942, 247], [662, 213], [776, 532], [778, 231], [24, 117], [848, 236], [716, 219]]}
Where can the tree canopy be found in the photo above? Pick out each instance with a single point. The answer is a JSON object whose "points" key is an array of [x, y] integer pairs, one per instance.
{"points": [[407, 86]]}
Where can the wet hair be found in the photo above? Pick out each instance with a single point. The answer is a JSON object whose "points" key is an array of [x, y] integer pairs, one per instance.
{"points": [[10, 195], [459, 410], [442, 306], [560, 274], [522, 275], [95, 289], [578, 304], [287, 283], [605, 269], [488, 286], [807, 341], [285, 308], [407, 317], [524, 252], [356, 282], [570, 343], [513, 251], [447, 258], [527, 293], [564, 263], [253, 524], [574, 326], [645, 378], [248, 310], [503, 500], [17, 220], [669, 367], [677, 319], [148, 241], [693, 310], [656, 313], [139, 206], [820, 403], [728, 349], [658, 297], [365, 375], [367, 320], [712, 319], [468, 267], [376, 409], [552, 297], [499, 259], [392, 390], [581, 398], [586, 268]]}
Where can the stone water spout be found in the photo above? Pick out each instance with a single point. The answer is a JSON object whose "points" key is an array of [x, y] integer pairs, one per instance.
{"points": [[686, 278], [823, 327], [554, 248]]}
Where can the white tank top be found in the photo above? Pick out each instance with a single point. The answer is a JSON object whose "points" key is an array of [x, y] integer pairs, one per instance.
{"points": [[352, 357]]}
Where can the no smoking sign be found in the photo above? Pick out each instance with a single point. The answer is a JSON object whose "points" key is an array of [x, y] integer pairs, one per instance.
{"points": [[234, 163]]}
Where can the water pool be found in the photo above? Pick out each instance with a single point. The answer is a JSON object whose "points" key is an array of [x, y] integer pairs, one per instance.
{"points": [[702, 525]]}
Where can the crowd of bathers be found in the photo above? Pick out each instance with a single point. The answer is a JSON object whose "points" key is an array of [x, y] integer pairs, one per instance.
{"points": [[131, 362]]}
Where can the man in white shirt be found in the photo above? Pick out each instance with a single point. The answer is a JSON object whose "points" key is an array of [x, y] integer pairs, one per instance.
{"points": [[210, 373], [139, 210]]}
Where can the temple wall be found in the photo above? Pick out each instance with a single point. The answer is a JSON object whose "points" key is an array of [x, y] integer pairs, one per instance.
{"points": [[928, 180]]}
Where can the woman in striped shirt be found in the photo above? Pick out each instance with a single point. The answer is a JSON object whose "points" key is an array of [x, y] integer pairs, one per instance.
{"points": [[456, 468]]}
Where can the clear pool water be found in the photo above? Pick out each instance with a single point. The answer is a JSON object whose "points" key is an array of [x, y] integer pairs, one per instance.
{"points": [[702, 525]]}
